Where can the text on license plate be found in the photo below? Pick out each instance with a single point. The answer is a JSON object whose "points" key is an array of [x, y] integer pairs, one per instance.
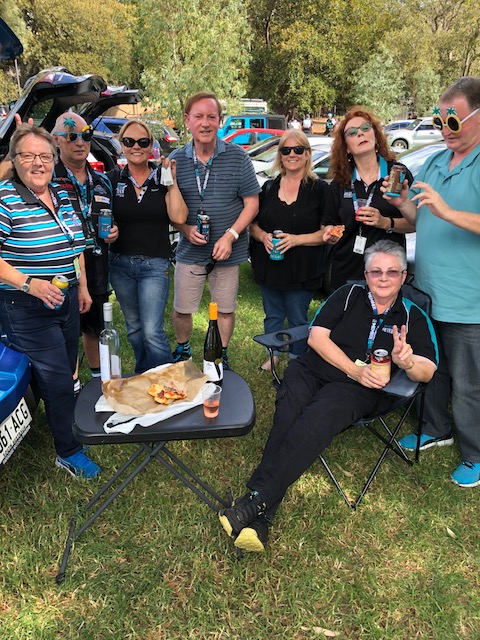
{"points": [[13, 429]]}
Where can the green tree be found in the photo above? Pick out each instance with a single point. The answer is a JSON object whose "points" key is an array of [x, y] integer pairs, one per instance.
{"points": [[188, 46], [379, 85]]}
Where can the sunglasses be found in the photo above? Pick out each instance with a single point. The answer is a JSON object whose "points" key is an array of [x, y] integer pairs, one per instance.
{"points": [[353, 131], [143, 143], [209, 267], [452, 121], [71, 136], [298, 150]]}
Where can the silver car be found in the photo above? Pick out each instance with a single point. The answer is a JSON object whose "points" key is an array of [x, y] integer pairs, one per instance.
{"points": [[420, 131]]}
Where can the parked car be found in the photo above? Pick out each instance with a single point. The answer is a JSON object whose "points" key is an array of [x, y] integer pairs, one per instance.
{"points": [[247, 137], [166, 138], [420, 131], [264, 161], [396, 124], [3, 110], [251, 121]]}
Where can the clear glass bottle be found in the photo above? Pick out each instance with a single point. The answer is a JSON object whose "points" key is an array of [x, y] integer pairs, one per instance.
{"points": [[212, 350], [109, 343]]}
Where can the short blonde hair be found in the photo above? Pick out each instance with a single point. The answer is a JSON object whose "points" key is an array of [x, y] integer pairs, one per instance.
{"points": [[301, 140]]}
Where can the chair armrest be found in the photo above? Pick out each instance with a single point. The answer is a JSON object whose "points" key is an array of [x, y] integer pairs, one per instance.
{"points": [[401, 385], [284, 338]]}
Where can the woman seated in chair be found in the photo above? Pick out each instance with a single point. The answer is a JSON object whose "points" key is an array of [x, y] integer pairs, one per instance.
{"points": [[329, 388]]}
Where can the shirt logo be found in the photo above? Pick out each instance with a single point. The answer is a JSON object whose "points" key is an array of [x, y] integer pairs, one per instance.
{"points": [[120, 191]]}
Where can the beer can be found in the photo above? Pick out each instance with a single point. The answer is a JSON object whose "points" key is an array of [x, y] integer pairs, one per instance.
{"points": [[203, 225], [104, 223], [395, 181], [274, 254], [61, 282], [381, 363]]}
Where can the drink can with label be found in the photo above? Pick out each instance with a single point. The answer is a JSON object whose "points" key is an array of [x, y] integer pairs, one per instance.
{"points": [[104, 223], [203, 225], [61, 282], [274, 254], [381, 363], [395, 181]]}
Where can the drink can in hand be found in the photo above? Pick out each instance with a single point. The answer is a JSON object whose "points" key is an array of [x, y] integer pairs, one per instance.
{"points": [[395, 181], [104, 223]]}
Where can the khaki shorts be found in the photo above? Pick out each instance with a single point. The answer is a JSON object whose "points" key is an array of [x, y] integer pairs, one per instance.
{"points": [[222, 281]]}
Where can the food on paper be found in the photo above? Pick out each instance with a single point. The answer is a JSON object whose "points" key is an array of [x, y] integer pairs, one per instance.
{"points": [[166, 394], [337, 230]]}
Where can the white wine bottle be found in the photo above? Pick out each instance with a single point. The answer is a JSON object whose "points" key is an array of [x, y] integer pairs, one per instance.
{"points": [[110, 366], [212, 350]]}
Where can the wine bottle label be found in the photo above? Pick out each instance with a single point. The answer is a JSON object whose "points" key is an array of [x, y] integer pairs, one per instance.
{"points": [[214, 370], [104, 362], [115, 366]]}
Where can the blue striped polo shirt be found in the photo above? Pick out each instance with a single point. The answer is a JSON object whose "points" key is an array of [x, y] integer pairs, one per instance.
{"points": [[31, 240], [232, 178]]}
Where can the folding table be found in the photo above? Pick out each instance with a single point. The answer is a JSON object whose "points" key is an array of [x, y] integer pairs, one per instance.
{"points": [[236, 418]]}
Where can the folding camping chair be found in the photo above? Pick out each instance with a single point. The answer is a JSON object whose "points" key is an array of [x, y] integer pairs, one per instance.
{"points": [[405, 391]]}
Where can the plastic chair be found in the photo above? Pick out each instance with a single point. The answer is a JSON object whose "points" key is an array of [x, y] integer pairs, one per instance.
{"points": [[405, 391]]}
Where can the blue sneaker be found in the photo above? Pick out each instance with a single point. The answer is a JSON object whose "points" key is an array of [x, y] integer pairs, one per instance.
{"points": [[410, 442], [467, 474], [79, 465], [182, 352]]}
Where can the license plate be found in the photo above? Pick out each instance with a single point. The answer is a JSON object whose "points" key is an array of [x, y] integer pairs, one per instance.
{"points": [[13, 430]]}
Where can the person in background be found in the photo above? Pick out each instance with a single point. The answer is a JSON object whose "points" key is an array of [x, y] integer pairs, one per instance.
{"points": [[330, 124], [444, 205], [41, 237], [307, 124], [360, 160], [89, 191], [327, 389], [216, 179], [294, 203], [140, 257]]}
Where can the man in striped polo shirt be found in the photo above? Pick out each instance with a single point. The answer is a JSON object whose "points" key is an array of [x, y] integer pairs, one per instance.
{"points": [[216, 179]]}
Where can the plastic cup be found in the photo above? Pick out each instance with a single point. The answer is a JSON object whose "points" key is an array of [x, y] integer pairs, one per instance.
{"points": [[361, 202], [211, 400]]}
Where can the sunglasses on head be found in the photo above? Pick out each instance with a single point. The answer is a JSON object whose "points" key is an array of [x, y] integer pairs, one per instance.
{"points": [[143, 143], [86, 134], [297, 150], [452, 121], [351, 132]]}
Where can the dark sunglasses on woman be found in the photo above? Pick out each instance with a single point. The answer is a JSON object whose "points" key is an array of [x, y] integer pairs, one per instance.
{"points": [[143, 143], [298, 150]]}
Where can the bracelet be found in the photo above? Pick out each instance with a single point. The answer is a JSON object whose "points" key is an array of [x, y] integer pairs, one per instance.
{"points": [[233, 232], [412, 364]]}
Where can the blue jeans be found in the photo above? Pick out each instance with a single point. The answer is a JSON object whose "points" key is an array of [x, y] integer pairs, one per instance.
{"points": [[291, 305], [458, 372], [49, 339], [141, 285]]}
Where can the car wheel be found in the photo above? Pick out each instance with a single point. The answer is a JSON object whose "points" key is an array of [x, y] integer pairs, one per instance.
{"points": [[400, 144]]}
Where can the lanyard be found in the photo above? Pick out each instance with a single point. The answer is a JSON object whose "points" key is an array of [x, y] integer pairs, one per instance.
{"points": [[85, 192], [61, 223], [201, 189], [144, 187], [382, 172], [377, 322]]}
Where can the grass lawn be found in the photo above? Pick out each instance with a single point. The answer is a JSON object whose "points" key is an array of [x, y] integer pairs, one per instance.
{"points": [[158, 566]]}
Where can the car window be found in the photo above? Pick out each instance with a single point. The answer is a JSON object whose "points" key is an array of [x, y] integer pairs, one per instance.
{"points": [[268, 155], [236, 123], [39, 111], [114, 127], [414, 124], [425, 127], [322, 167], [255, 150], [256, 123]]}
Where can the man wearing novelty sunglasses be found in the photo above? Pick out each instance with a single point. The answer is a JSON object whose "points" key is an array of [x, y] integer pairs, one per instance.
{"points": [[89, 191], [444, 203]]}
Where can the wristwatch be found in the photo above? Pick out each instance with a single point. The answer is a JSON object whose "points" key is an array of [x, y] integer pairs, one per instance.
{"points": [[26, 285], [392, 226]]}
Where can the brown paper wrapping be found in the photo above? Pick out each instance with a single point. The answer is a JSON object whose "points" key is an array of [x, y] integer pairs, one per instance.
{"points": [[130, 395]]}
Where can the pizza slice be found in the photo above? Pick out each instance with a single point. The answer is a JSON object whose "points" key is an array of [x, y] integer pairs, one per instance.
{"points": [[164, 394], [337, 230]]}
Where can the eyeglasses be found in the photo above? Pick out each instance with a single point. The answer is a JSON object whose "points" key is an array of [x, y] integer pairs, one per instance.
{"points": [[353, 131], [71, 136], [143, 143], [209, 267], [452, 121], [391, 274], [297, 150], [28, 158]]}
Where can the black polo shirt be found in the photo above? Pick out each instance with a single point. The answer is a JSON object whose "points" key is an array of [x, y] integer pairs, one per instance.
{"points": [[143, 226], [348, 314]]}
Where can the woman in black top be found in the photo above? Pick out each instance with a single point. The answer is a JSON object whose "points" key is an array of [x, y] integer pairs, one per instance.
{"points": [[293, 203], [361, 159], [140, 258]]}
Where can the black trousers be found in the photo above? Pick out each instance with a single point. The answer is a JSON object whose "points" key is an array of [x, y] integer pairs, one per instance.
{"points": [[309, 413]]}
